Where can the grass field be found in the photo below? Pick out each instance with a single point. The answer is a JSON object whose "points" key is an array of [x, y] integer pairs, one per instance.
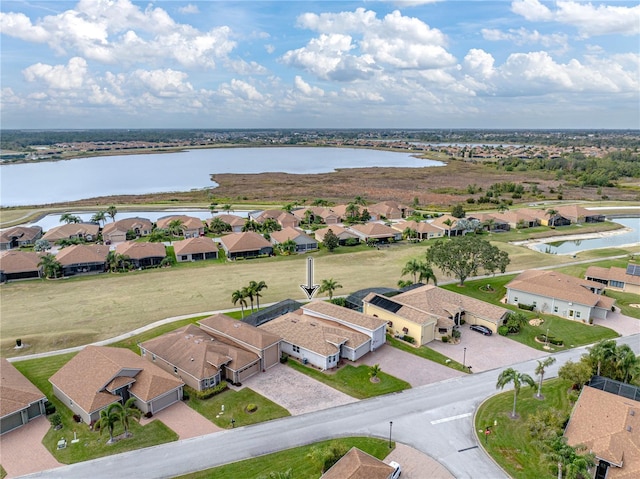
{"points": [[510, 444], [296, 459]]}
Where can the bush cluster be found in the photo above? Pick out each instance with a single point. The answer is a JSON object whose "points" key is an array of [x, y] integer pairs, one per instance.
{"points": [[528, 307], [550, 339], [206, 393]]}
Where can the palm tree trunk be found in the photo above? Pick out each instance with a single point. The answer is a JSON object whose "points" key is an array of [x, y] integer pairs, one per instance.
{"points": [[539, 395], [515, 396]]}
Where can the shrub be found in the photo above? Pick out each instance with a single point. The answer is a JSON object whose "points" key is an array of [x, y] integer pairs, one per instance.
{"points": [[49, 408], [55, 419], [185, 395], [284, 358], [455, 334], [528, 307], [339, 301], [148, 415], [207, 393], [408, 339], [77, 418], [503, 330], [445, 339], [252, 407]]}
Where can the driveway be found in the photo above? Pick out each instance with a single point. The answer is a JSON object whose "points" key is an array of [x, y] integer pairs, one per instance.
{"points": [[486, 352], [621, 324], [184, 421], [294, 391], [414, 464], [22, 452], [415, 370]]}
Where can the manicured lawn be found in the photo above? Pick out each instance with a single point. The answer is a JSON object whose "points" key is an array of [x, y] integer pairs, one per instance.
{"points": [[295, 459], [132, 342], [235, 403], [426, 353], [510, 443], [624, 300], [354, 381], [91, 444]]}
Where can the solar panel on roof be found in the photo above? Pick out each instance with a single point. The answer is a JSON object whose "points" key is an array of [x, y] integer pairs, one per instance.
{"points": [[386, 304], [633, 269]]}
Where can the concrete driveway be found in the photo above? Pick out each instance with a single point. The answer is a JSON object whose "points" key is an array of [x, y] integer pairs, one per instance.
{"points": [[184, 421], [294, 391], [415, 464], [486, 352]]}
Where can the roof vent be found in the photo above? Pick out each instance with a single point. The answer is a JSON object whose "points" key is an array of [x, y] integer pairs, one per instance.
{"points": [[629, 428], [632, 412], [236, 325], [191, 359]]}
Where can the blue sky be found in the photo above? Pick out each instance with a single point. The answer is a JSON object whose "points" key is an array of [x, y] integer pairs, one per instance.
{"points": [[326, 64]]}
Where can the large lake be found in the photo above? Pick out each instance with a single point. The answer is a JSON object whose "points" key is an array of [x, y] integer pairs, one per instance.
{"points": [[69, 180]]}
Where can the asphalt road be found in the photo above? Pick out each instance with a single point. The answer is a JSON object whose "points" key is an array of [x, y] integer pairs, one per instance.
{"points": [[436, 419]]}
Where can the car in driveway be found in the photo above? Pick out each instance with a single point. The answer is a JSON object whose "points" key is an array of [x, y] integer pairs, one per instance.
{"points": [[481, 329], [397, 470]]}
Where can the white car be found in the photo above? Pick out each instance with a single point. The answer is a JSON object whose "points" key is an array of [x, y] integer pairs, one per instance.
{"points": [[397, 470]]}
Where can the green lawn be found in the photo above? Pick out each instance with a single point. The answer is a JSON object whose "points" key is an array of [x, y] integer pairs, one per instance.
{"points": [[295, 459], [133, 341], [354, 381], [426, 353], [91, 444], [235, 403], [510, 443]]}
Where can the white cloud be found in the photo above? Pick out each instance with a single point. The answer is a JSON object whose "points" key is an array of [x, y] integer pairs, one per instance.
{"points": [[270, 48], [522, 36], [18, 25], [59, 77], [189, 9], [306, 89], [163, 83], [590, 20], [245, 90], [241, 67]]}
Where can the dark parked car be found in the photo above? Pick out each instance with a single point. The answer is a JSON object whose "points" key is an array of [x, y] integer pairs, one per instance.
{"points": [[481, 329]]}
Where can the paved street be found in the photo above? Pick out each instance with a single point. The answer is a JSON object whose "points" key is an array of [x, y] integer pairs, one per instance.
{"points": [[436, 419]]}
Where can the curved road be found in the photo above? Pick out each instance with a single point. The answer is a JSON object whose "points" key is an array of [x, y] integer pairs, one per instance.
{"points": [[436, 419]]}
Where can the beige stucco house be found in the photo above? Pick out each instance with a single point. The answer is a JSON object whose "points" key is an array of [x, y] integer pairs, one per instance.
{"points": [[619, 279], [20, 400]]}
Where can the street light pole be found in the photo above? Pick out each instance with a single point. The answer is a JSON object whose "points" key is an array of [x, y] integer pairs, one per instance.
{"points": [[390, 426], [464, 357]]}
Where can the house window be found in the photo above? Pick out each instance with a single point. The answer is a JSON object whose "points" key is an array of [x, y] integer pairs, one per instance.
{"points": [[515, 299], [390, 324], [577, 314], [535, 304], [405, 330], [442, 330], [616, 284], [184, 257], [555, 309], [296, 349]]}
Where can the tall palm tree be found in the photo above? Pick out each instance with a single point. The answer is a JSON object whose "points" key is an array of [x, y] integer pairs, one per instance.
{"points": [[257, 287], [217, 226], [603, 354], [540, 369], [69, 218], [111, 212], [270, 225], [551, 213], [212, 208], [627, 364], [99, 217], [50, 266], [413, 267], [410, 233], [359, 200], [448, 222], [227, 208], [108, 419], [175, 227], [238, 296], [251, 225], [511, 375], [128, 411], [329, 286], [249, 293], [352, 210]]}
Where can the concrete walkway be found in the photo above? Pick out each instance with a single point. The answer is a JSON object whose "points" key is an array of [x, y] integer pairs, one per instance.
{"points": [[22, 452]]}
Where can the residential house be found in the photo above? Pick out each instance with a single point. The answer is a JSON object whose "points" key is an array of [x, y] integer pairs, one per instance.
{"points": [[520, 218], [390, 210], [245, 336], [20, 400], [304, 243], [560, 294], [142, 255], [83, 259], [235, 222], [283, 218], [344, 235], [578, 214], [607, 424], [245, 245], [116, 232], [449, 224], [322, 333], [191, 226], [326, 215], [490, 222], [553, 220], [71, 231], [427, 313], [376, 232], [195, 249], [357, 464], [99, 376], [16, 265], [619, 279], [199, 358], [423, 230], [19, 236]]}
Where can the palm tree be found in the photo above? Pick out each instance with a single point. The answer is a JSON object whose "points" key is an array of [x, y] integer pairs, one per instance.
{"points": [[270, 225], [374, 371], [551, 213], [227, 208], [308, 216], [427, 274], [212, 208], [603, 354], [448, 222], [69, 218], [288, 207], [50, 266], [249, 293], [99, 217], [257, 287], [540, 369], [502, 207], [108, 419], [217, 226], [511, 375], [288, 247], [409, 233], [402, 283], [359, 200], [489, 223], [329, 286], [352, 210], [127, 412], [238, 296], [111, 212], [251, 225], [627, 364], [413, 267], [175, 227]]}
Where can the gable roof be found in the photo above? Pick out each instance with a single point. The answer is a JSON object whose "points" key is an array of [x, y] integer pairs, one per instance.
{"points": [[231, 220], [238, 331], [421, 227], [82, 253], [135, 250], [72, 229], [613, 273], [291, 234], [337, 230], [608, 425], [199, 244], [357, 464], [374, 230], [553, 284], [16, 391], [22, 233], [86, 376], [329, 311], [188, 222], [247, 241], [14, 261], [127, 224]]}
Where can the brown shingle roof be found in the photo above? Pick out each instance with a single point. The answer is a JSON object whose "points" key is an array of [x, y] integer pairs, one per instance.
{"points": [[71, 229], [188, 222], [16, 391], [420, 227], [82, 253], [22, 233], [374, 230], [357, 464], [561, 286], [290, 234], [337, 230], [612, 273], [135, 250], [231, 220], [330, 310], [239, 331], [609, 426], [199, 244], [14, 261], [127, 224], [240, 242]]}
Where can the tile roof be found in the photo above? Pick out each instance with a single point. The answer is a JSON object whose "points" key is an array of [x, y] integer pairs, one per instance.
{"points": [[199, 244], [374, 230], [420, 227], [575, 212], [72, 229], [553, 284], [135, 250], [198, 353], [330, 310], [290, 234], [14, 261], [22, 233], [16, 391], [239, 331], [609, 426], [248, 241], [82, 253], [314, 334], [357, 464], [127, 224], [86, 376]]}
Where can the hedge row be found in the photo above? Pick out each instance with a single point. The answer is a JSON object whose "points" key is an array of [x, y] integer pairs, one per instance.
{"points": [[205, 393]]}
